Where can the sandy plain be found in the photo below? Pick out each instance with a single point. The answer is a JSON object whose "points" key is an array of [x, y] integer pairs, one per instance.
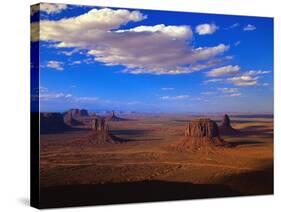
{"points": [[141, 166]]}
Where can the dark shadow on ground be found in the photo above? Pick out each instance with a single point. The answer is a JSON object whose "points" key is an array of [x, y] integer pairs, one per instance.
{"points": [[62, 130], [219, 122], [125, 140], [122, 119], [247, 142], [119, 139], [255, 128], [256, 131], [134, 132], [254, 116], [129, 192], [253, 182], [247, 121], [247, 132]]}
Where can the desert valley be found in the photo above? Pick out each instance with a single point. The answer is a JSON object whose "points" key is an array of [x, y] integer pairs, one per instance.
{"points": [[116, 158]]}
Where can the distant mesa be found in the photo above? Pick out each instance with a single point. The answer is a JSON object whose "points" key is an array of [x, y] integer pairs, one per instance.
{"points": [[84, 112], [226, 128], [52, 123], [70, 121], [76, 113], [113, 117], [73, 117], [200, 134]]}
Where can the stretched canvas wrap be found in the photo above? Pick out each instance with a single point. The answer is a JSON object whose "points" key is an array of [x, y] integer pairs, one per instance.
{"points": [[133, 105]]}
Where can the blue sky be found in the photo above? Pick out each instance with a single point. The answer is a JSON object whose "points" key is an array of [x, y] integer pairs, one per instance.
{"points": [[152, 61]]}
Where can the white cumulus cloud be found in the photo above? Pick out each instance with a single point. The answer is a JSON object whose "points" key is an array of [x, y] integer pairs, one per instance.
{"points": [[184, 32], [55, 65], [249, 27], [205, 29], [257, 72], [157, 49], [244, 80], [248, 78], [224, 71]]}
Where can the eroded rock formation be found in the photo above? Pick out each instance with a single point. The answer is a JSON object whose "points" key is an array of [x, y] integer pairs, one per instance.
{"points": [[73, 117], [113, 117], [70, 121], [226, 128], [202, 128], [201, 134], [100, 132], [76, 113]]}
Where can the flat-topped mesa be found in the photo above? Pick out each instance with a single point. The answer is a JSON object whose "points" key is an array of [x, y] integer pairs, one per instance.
{"points": [[75, 117], [226, 127], [70, 121], [202, 128], [200, 135], [76, 113]]}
